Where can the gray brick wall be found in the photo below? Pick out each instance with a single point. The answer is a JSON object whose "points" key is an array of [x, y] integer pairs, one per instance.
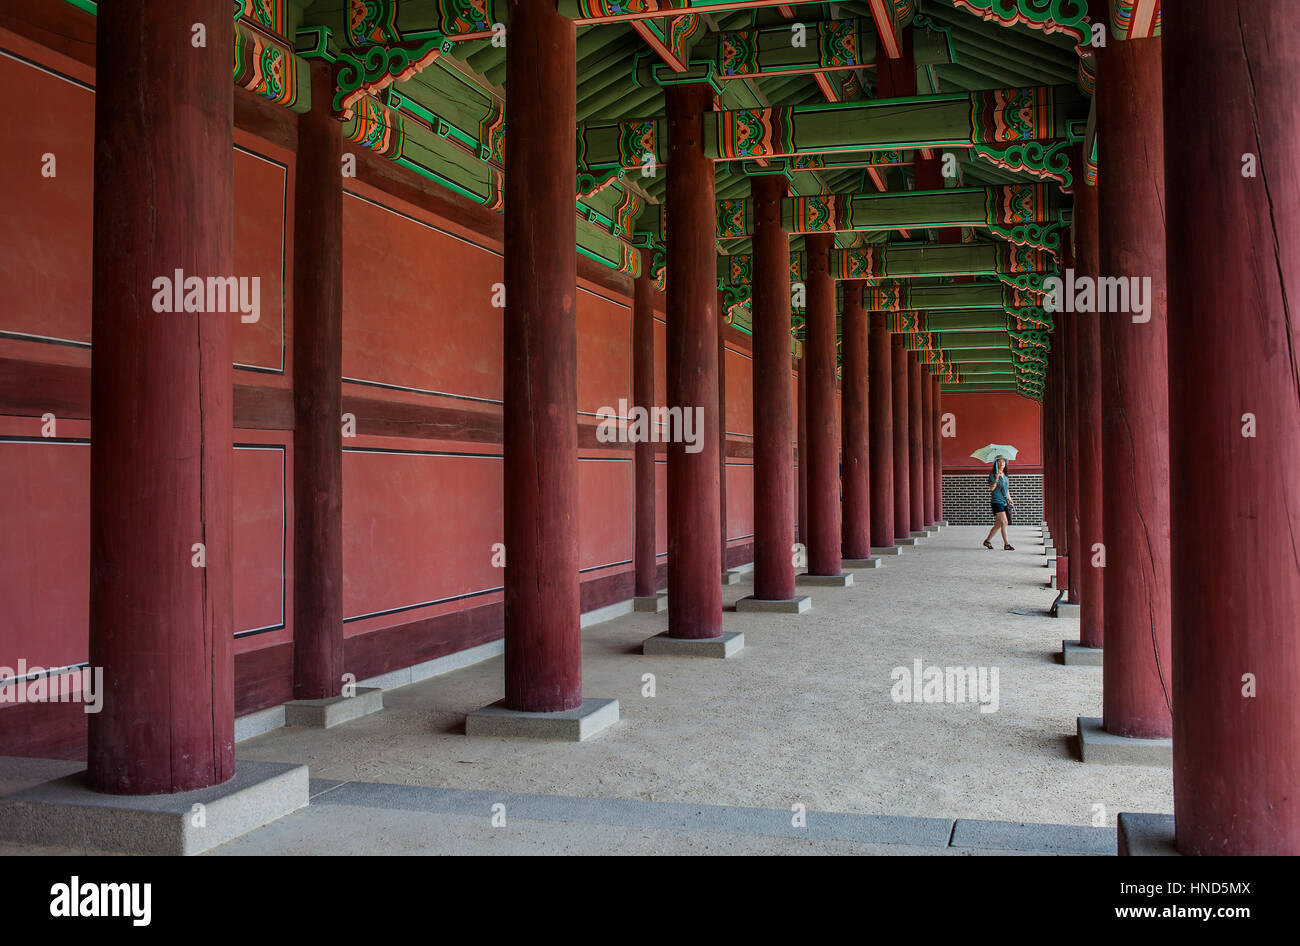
{"points": [[966, 499]]}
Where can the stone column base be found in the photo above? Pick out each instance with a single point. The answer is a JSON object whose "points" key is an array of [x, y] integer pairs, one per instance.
{"points": [[64, 812], [1143, 835], [887, 550], [657, 604], [842, 580], [573, 725], [796, 605], [661, 645], [862, 563], [1076, 655], [323, 714], [1097, 745]]}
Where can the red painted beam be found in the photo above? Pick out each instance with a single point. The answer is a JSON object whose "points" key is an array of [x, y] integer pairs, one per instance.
{"points": [[887, 31], [1146, 14], [654, 42]]}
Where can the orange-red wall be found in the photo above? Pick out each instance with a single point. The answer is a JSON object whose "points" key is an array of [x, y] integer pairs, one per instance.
{"points": [[422, 498], [981, 418]]}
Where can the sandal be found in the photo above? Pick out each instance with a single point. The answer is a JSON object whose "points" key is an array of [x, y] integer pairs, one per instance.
{"points": [[1008, 548], [988, 544]]}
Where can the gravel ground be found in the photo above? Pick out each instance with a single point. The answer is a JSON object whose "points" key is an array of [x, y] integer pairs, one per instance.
{"points": [[804, 714]]}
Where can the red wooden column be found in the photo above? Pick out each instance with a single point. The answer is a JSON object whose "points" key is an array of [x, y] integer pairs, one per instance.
{"points": [[927, 444], [1050, 470], [774, 486], [1084, 562], [1072, 483], [317, 387], [855, 467], [643, 395], [823, 415], [802, 365], [902, 474], [161, 606], [694, 527], [543, 659], [1064, 461], [936, 443], [1135, 395], [881, 390], [915, 446], [1234, 259], [722, 433]]}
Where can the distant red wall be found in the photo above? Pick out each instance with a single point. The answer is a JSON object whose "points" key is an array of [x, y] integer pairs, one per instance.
{"points": [[992, 417]]}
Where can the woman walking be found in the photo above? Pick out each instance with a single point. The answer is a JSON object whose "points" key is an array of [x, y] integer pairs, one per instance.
{"points": [[1001, 497]]}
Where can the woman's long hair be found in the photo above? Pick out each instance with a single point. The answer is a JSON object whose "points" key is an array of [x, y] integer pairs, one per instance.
{"points": [[1006, 467]]}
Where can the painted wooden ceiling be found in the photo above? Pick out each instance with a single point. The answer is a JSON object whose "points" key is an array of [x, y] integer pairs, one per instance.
{"points": [[1001, 86]]}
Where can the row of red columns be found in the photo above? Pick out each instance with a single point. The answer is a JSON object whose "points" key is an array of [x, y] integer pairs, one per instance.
{"points": [[1178, 434], [1186, 624]]}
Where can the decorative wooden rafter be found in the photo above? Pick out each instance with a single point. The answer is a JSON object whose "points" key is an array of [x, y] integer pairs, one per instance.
{"points": [[995, 117], [1019, 213], [1051, 16], [1021, 267], [1134, 19]]}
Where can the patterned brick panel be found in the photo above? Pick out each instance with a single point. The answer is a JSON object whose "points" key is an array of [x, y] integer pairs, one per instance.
{"points": [[966, 499]]}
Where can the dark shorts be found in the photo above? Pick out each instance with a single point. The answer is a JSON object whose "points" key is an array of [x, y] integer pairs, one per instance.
{"points": [[998, 507]]}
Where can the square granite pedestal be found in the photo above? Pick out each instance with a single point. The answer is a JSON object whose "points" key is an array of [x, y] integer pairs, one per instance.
{"points": [[887, 550], [1145, 835], [842, 580], [1097, 745], [800, 604], [66, 813], [575, 725], [861, 563], [1076, 655], [1063, 609], [656, 604], [322, 714], [728, 644]]}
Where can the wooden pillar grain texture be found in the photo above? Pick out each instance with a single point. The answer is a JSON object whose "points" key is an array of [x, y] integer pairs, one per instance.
{"points": [[902, 473], [643, 395], [823, 413], [317, 398], [774, 408], [915, 445], [855, 466], [161, 458], [694, 526], [543, 646], [1234, 264], [1136, 679]]}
